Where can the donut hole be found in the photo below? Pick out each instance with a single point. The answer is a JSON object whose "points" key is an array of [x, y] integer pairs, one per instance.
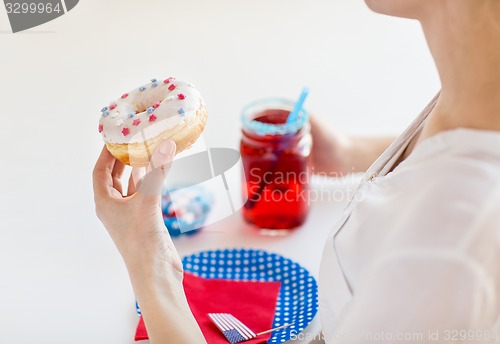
{"points": [[143, 100]]}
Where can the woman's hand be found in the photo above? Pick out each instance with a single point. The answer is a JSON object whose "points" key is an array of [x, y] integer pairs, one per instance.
{"points": [[135, 221], [135, 224], [336, 154], [330, 147]]}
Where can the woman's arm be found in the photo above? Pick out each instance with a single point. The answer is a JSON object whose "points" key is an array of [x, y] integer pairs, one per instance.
{"points": [[159, 292], [420, 299], [336, 154], [136, 226]]}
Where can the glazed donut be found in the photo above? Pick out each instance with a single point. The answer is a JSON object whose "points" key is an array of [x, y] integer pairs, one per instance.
{"points": [[139, 120]]}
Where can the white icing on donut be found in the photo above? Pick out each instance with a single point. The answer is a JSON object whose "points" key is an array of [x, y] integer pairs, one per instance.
{"points": [[149, 110]]}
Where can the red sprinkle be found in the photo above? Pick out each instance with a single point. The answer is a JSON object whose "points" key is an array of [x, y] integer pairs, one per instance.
{"points": [[100, 128], [112, 106], [152, 118], [181, 96], [170, 88], [156, 105], [136, 122], [168, 80], [125, 131], [125, 96]]}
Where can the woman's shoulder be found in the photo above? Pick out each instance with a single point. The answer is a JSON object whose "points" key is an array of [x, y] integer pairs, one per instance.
{"points": [[445, 185], [477, 147], [462, 159]]}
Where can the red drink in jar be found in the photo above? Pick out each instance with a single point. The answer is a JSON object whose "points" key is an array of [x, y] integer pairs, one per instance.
{"points": [[277, 166]]}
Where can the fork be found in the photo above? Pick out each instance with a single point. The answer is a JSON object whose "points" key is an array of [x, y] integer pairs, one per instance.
{"points": [[234, 330]]}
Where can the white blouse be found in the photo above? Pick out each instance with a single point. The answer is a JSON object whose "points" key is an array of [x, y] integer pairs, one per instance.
{"points": [[415, 256]]}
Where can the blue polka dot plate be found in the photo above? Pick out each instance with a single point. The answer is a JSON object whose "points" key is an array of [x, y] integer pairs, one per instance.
{"points": [[298, 297]]}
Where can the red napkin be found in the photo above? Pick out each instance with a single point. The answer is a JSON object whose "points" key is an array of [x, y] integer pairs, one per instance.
{"points": [[253, 303]]}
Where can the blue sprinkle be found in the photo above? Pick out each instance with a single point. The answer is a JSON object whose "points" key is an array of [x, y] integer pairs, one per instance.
{"points": [[142, 88], [150, 110], [181, 111], [154, 84], [153, 80], [105, 113], [130, 115], [104, 109]]}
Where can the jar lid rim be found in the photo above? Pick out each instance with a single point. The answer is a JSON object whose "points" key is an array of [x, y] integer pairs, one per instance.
{"points": [[263, 129]]}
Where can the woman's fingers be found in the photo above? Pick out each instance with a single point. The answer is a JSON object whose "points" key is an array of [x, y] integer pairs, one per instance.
{"points": [[108, 171], [117, 175], [135, 179], [161, 161], [102, 174]]}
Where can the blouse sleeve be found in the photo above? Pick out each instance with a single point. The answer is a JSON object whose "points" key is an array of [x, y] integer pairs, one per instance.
{"points": [[422, 294], [419, 297]]}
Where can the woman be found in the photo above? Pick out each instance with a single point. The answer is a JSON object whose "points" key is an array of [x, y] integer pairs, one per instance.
{"points": [[414, 258]]}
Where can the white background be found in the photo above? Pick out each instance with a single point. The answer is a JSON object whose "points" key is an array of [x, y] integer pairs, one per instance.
{"points": [[61, 279]]}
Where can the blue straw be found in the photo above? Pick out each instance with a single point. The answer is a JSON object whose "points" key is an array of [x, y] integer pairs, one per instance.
{"points": [[292, 117]]}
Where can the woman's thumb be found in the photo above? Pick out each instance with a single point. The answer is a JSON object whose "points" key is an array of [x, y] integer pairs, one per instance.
{"points": [[160, 163]]}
